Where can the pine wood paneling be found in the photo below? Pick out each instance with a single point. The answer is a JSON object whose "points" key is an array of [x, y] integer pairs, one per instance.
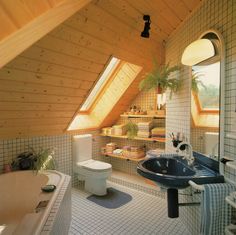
{"points": [[61, 46], [18, 106], [43, 87], [19, 75], [52, 57], [6, 96], [49, 121], [34, 114], [27, 17], [50, 68]]}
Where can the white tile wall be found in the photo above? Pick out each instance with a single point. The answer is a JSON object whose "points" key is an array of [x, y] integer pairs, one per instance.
{"points": [[212, 14], [9, 149]]}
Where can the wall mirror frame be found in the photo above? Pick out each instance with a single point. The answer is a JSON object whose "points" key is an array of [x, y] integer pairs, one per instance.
{"points": [[219, 47]]}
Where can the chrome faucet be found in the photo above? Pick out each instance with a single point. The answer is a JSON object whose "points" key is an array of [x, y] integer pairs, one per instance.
{"points": [[189, 152]]}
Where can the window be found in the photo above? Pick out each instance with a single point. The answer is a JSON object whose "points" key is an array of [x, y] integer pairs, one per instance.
{"points": [[209, 86], [107, 97], [112, 65]]}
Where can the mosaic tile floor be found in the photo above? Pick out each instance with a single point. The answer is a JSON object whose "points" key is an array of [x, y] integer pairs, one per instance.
{"points": [[144, 215]]}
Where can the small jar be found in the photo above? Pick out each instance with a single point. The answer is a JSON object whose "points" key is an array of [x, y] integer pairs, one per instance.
{"points": [[6, 168]]}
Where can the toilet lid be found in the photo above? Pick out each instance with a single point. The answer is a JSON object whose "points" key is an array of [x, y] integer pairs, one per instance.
{"points": [[95, 165]]}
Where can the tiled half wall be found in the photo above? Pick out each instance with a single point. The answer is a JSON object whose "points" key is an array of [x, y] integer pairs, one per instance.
{"points": [[62, 144]]}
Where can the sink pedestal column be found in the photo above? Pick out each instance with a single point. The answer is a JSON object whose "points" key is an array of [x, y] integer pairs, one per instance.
{"points": [[172, 203]]}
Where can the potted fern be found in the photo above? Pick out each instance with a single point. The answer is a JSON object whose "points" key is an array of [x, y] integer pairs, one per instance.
{"points": [[159, 79]]}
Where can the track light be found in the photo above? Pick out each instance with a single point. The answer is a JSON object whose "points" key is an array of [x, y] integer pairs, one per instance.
{"points": [[145, 33]]}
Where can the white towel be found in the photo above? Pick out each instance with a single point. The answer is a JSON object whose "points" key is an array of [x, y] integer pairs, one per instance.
{"points": [[215, 212]]}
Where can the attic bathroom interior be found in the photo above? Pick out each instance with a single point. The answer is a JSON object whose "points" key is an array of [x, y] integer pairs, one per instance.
{"points": [[118, 117]]}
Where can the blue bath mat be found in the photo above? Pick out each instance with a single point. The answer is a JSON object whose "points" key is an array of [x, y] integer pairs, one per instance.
{"points": [[114, 199]]}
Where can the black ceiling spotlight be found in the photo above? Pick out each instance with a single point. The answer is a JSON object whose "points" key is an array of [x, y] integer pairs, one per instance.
{"points": [[145, 33]]}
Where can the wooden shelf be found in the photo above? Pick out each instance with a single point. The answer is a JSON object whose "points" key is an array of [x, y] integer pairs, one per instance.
{"points": [[160, 140], [123, 157], [142, 116]]}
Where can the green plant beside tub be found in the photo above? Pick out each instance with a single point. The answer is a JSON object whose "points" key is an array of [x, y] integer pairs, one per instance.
{"points": [[35, 160], [159, 79], [44, 160]]}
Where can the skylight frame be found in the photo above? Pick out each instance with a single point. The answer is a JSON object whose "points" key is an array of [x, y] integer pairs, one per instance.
{"points": [[103, 79]]}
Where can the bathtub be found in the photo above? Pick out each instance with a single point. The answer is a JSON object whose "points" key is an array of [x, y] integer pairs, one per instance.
{"points": [[20, 194]]}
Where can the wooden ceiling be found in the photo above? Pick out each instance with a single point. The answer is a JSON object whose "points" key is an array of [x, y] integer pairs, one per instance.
{"points": [[25, 21], [42, 88]]}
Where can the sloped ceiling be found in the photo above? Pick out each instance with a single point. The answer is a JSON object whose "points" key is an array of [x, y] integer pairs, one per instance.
{"points": [[42, 88], [23, 22]]}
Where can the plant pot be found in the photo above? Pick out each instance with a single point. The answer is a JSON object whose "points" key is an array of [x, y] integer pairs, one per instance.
{"points": [[159, 90]]}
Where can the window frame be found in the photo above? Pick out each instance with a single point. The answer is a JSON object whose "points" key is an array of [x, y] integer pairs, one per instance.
{"points": [[108, 80], [200, 109]]}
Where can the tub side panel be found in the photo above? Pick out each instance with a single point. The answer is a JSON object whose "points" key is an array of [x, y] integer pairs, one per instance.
{"points": [[59, 219]]}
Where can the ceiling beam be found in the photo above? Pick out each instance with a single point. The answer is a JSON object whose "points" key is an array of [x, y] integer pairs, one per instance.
{"points": [[15, 43]]}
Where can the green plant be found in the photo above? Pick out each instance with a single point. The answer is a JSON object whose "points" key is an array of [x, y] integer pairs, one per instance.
{"points": [[159, 78], [43, 159], [35, 160], [132, 129], [196, 82]]}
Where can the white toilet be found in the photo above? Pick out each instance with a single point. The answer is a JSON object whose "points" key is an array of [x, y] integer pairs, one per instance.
{"points": [[94, 173]]}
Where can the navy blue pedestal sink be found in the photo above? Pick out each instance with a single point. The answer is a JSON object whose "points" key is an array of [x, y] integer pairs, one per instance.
{"points": [[172, 172]]}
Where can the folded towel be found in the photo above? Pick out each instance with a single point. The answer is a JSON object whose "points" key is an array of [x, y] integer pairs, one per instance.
{"points": [[158, 130], [158, 136], [215, 213], [144, 123], [144, 134]]}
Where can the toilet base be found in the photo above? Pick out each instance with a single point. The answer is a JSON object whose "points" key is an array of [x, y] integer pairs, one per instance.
{"points": [[96, 186]]}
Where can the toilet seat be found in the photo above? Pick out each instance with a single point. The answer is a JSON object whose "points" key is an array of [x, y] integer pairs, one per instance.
{"points": [[95, 166]]}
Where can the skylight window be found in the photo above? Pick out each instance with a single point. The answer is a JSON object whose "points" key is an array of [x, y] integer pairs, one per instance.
{"points": [[112, 65]]}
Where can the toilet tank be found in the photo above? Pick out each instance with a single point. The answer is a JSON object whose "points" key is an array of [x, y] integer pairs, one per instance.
{"points": [[211, 143], [82, 147]]}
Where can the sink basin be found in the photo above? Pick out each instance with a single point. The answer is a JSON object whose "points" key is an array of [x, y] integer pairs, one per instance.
{"points": [[167, 166], [174, 172]]}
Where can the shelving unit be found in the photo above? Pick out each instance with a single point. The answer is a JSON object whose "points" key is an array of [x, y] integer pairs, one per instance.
{"points": [[142, 116], [152, 139], [160, 140], [123, 157]]}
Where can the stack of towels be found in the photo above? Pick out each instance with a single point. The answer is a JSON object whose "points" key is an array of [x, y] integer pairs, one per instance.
{"points": [[144, 129], [158, 132], [110, 147], [118, 130]]}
